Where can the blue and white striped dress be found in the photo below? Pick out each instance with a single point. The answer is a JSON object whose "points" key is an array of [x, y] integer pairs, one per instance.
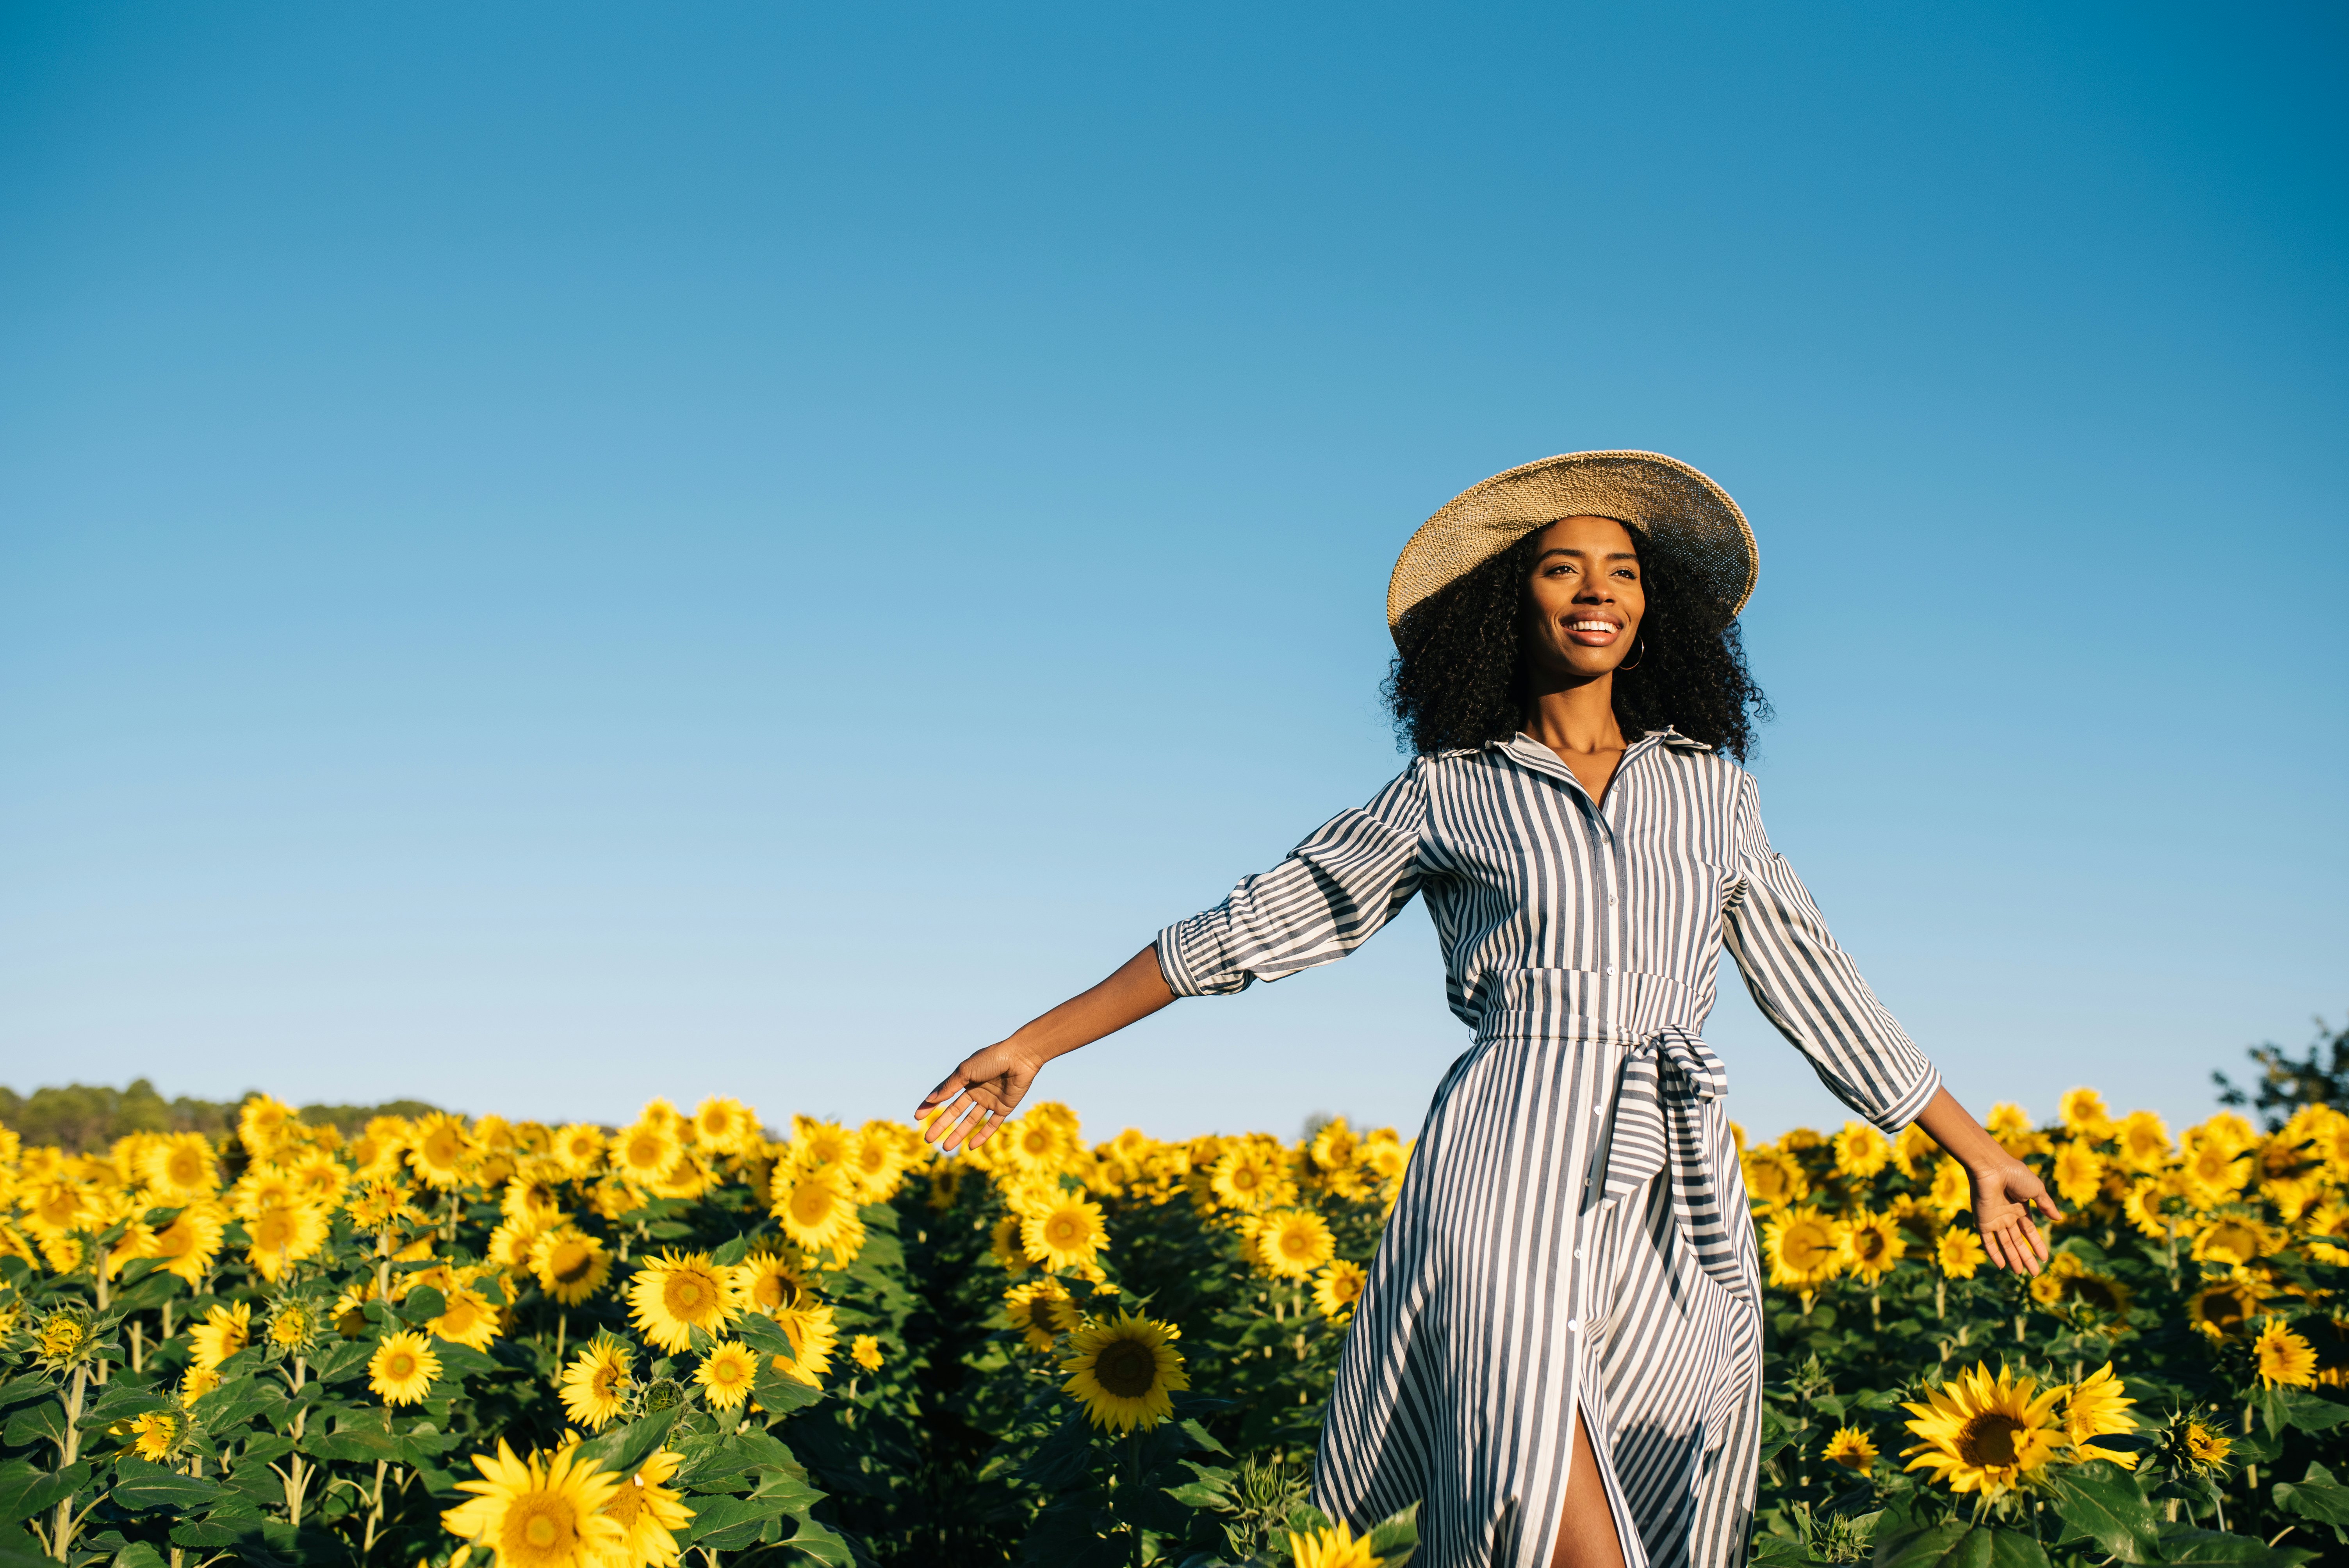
{"points": [[1572, 1231]]}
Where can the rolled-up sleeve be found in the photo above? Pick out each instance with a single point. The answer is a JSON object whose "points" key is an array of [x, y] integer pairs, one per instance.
{"points": [[1810, 988], [1324, 901]]}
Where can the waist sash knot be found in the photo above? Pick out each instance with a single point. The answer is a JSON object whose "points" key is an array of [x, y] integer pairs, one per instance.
{"points": [[1658, 1124]]}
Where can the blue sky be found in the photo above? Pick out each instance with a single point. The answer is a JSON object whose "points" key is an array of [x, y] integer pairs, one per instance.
{"points": [[550, 555]]}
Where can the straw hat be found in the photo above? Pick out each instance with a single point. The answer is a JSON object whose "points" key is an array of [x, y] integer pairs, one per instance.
{"points": [[1689, 521]]}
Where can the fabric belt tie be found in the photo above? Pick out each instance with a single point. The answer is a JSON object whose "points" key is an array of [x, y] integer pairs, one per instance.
{"points": [[1659, 1126]]}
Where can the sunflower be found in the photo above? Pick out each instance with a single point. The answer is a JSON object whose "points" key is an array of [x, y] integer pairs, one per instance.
{"points": [[1775, 1179], [1122, 1371], [1850, 1448], [817, 1143], [295, 1324], [283, 1237], [181, 1168], [1984, 1433], [770, 1284], [1291, 1244], [1067, 1233], [1003, 1242], [646, 1153], [813, 1339], [1804, 1249], [539, 1513], [224, 1331], [2285, 1360], [1040, 1311], [579, 1150], [814, 1207], [2079, 1173], [63, 1336], [2144, 1140], [189, 1244], [596, 1384], [1033, 1143], [1250, 1178], [2235, 1240], [726, 1375], [569, 1264], [403, 1369], [262, 1124], [865, 1351], [534, 1196], [439, 1149], [2218, 1310], [468, 1320], [196, 1382], [382, 1202], [2205, 1449], [1951, 1192], [1335, 1547], [2010, 1125], [674, 1295], [1337, 1287], [1333, 1146], [155, 1435], [1871, 1244], [651, 1515], [1860, 1150], [2084, 1114], [262, 1187], [876, 1163], [2095, 1407], [725, 1126]]}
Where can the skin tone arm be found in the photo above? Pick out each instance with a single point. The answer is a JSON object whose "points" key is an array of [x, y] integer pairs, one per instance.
{"points": [[977, 1096]]}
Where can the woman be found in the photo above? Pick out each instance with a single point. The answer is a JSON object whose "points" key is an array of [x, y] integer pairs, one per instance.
{"points": [[1559, 1345]]}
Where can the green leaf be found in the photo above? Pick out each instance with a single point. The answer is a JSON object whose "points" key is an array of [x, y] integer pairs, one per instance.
{"points": [[729, 1523], [1777, 1552], [343, 1360], [1396, 1537], [126, 1396], [17, 1390], [1201, 1438], [424, 1302], [2099, 1501], [140, 1485], [623, 1449], [779, 1396], [138, 1554], [26, 1489], [732, 1252], [1958, 1545], [227, 1405], [35, 1424], [670, 1231], [2299, 1408], [818, 1541], [763, 1334], [356, 1444], [2318, 1497], [2181, 1545]]}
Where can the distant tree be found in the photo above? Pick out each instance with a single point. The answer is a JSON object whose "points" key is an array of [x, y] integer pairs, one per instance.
{"points": [[80, 1119], [2286, 1084]]}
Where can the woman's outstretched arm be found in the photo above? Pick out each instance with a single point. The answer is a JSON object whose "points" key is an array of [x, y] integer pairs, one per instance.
{"points": [[2005, 1191], [977, 1096]]}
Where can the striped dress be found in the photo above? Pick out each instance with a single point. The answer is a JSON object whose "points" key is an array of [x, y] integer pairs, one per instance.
{"points": [[1572, 1232]]}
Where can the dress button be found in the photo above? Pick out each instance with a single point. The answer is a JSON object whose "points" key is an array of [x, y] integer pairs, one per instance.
{"points": [[1610, 969], [1577, 1251]]}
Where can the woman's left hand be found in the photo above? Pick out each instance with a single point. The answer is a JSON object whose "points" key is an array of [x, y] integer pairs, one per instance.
{"points": [[2005, 1192]]}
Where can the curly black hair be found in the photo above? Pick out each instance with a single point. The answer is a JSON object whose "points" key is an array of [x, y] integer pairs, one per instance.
{"points": [[1459, 680]]}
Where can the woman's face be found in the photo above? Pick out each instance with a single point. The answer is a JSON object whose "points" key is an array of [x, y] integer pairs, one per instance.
{"points": [[1584, 603]]}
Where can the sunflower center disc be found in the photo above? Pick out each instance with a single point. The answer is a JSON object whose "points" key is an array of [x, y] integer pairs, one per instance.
{"points": [[1126, 1370], [1989, 1440], [538, 1532]]}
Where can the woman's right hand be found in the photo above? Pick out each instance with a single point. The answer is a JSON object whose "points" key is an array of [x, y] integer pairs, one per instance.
{"points": [[977, 1097]]}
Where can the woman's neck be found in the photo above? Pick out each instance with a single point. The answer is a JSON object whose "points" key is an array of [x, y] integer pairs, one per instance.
{"points": [[1576, 718]]}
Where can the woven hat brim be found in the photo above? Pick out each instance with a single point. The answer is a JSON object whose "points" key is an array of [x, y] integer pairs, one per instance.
{"points": [[1689, 521]]}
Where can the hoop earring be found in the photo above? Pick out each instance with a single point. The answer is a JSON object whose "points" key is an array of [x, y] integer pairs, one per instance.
{"points": [[1639, 652]]}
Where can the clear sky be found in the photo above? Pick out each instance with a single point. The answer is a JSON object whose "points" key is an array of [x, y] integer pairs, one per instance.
{"points": [[552, 554]]}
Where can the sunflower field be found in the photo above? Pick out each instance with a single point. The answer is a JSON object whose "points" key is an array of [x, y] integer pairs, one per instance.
{"points": [[440, 1343]]}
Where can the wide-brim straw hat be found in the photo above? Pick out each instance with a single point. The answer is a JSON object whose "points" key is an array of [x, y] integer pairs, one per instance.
{"points": [[1689, 521]]}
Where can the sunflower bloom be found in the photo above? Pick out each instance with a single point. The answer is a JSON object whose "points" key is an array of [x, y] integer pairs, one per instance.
{"points": [[770, 1284], [2084, 1114], [650, 1514], [673, 1295], [1068, 1233], [596, 1384], [1041, 1312], [579, 1150], [1248, 1179], [1959, 1253], [155, 1435], [1984, 1433], [646, 1153], [1804, 1248], [224, 1331], [1123, 1370], [440, 1150], [1335, 1547], [181, 1168], [815, 1208], [1337, 1287], [1291, 1244], [726, 1375], [1860, 1150], [865, 1351], [189, 1244], [468, 1320], [569, 1264], [1774, 1178], [403, 1369], [539, 1513], [2079, 1173], [2095, 1407], [724, 1125], [813, 1339], [1851, 1448], [2285, 1360], [1871, 1245]]}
